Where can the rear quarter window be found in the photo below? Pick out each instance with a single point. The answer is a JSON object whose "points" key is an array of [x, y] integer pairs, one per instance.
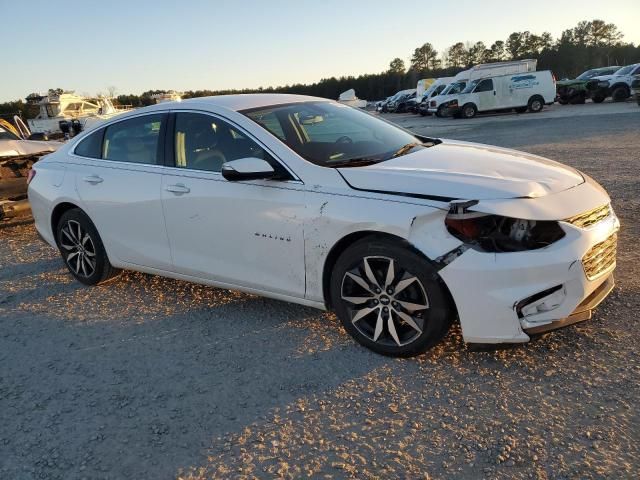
{"points": [[91, 146]]}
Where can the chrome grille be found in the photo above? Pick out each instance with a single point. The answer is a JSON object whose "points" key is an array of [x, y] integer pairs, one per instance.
{"points": [[600, 257], [591, 217]]}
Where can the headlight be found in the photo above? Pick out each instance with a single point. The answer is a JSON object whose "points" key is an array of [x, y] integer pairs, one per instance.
{"points": [[494, 233]]}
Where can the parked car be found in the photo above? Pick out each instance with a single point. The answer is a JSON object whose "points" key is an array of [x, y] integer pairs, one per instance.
{"points": [[617, 86], [576, 91], [398, 103], [407, 103], [381, 106], [436, 104], [524, 91], [305, 200]]}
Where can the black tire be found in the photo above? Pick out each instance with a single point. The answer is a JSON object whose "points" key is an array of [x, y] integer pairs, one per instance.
{"points": [[423, 114], [76, 232], [430, 323], [598, 98], [561, 101], [578, 99], [521, 109], [440, 112], [535, 104], [620, 93], [469, 110]]}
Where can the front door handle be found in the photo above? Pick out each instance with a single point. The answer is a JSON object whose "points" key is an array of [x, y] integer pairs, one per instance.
{"points": [[177, 188], [93, 179]]}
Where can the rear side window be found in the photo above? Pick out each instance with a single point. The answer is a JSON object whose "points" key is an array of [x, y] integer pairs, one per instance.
{"points": [[91, 146], [134, 141]]}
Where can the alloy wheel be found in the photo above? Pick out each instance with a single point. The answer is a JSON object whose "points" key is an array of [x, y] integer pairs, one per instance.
{"points": [[78, 249], [387, 304]]}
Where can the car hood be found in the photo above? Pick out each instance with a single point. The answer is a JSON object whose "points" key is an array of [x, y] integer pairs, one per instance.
{"points": [[602, 78], [10, 148], [462, 170]]}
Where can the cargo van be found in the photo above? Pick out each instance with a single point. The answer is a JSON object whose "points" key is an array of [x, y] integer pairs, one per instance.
{"points": [[523, 91], [434, 90], [483, 70], [458, 84]]}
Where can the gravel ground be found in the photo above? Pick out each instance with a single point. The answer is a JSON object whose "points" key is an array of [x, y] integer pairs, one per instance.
{"points": [[153, 378]]}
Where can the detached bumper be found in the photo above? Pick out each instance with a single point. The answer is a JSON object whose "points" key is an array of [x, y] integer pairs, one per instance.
{"points": [[504, 297]]}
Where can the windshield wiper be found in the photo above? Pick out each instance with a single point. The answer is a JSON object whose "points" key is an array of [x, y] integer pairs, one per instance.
{"points": [[354, 162], [404, 149]]}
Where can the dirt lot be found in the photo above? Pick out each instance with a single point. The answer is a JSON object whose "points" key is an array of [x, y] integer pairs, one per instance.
{"points": [[153, 378]]}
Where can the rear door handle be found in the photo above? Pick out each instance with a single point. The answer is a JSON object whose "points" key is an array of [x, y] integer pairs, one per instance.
{"points": [[177, 188], [93, 179]]}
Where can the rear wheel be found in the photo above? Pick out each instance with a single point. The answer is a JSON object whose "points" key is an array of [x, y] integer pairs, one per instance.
{"points": [[389, 298], [620, 94], [536, 103], [81, 248]]}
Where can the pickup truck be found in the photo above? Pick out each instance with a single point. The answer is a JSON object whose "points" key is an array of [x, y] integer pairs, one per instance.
{"points": [[616, 86]]}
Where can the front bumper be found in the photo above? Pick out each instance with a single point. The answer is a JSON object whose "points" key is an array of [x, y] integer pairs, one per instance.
{"points": [[489, 289]]}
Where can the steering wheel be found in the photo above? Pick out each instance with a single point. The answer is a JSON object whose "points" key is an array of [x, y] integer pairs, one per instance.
{"points": [[344, 139]]}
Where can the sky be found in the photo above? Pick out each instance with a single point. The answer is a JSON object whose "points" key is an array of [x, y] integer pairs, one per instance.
{"points": [[138, 45]]}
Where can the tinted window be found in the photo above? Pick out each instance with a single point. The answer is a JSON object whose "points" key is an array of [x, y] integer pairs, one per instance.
{"points": [[204, 142], [134, 141], [485, 86], [91, 146], [330, 134]]}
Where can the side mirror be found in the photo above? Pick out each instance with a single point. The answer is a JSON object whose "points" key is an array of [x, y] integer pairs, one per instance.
{"points": [[247, 169]]}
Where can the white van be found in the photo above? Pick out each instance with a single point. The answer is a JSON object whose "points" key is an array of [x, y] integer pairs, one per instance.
{"points": [[457, 84], [522, 91], [434, 90], [482, 70]]}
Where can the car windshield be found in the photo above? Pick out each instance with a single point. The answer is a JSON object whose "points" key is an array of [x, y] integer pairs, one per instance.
{"points": [[625, 70], [334, 135], [455, 87], [588, 74], [471, 86]]}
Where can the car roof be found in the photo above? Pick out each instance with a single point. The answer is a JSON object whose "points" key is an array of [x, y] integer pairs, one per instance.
{"points": [[248, 100]]}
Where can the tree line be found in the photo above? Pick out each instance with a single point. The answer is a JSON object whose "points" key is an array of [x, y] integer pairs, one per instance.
{"points": [[589, 44]]}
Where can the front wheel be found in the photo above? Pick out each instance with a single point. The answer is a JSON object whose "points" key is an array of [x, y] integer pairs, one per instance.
{"points": [[81, 248], [469, 110], [389, 298], [620, 94], [598, 98]]}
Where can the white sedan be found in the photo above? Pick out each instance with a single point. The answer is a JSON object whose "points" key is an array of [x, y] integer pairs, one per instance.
{"points": [[309, 201]]}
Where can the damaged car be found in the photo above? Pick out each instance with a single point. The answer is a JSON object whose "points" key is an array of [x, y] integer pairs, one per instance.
{"points": [[309, 201]]}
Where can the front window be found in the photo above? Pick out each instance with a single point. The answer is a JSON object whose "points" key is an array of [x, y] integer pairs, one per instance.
{"points": [[624, 70], [204, 142], [332, 135]]}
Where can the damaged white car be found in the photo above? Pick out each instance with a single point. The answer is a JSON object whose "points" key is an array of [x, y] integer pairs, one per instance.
{"points": [[310, 201]]}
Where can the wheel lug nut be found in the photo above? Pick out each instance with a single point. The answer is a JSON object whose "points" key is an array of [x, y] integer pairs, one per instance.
{"points": [[390, 291], [385, 309], [375, 302]]}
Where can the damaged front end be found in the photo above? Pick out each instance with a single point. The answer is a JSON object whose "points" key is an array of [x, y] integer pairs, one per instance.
{"points": [[14, 175], [512, 277], [498, 234]]}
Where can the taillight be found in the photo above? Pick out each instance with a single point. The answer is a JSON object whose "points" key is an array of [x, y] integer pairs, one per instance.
{"points": [[31, 175]]}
